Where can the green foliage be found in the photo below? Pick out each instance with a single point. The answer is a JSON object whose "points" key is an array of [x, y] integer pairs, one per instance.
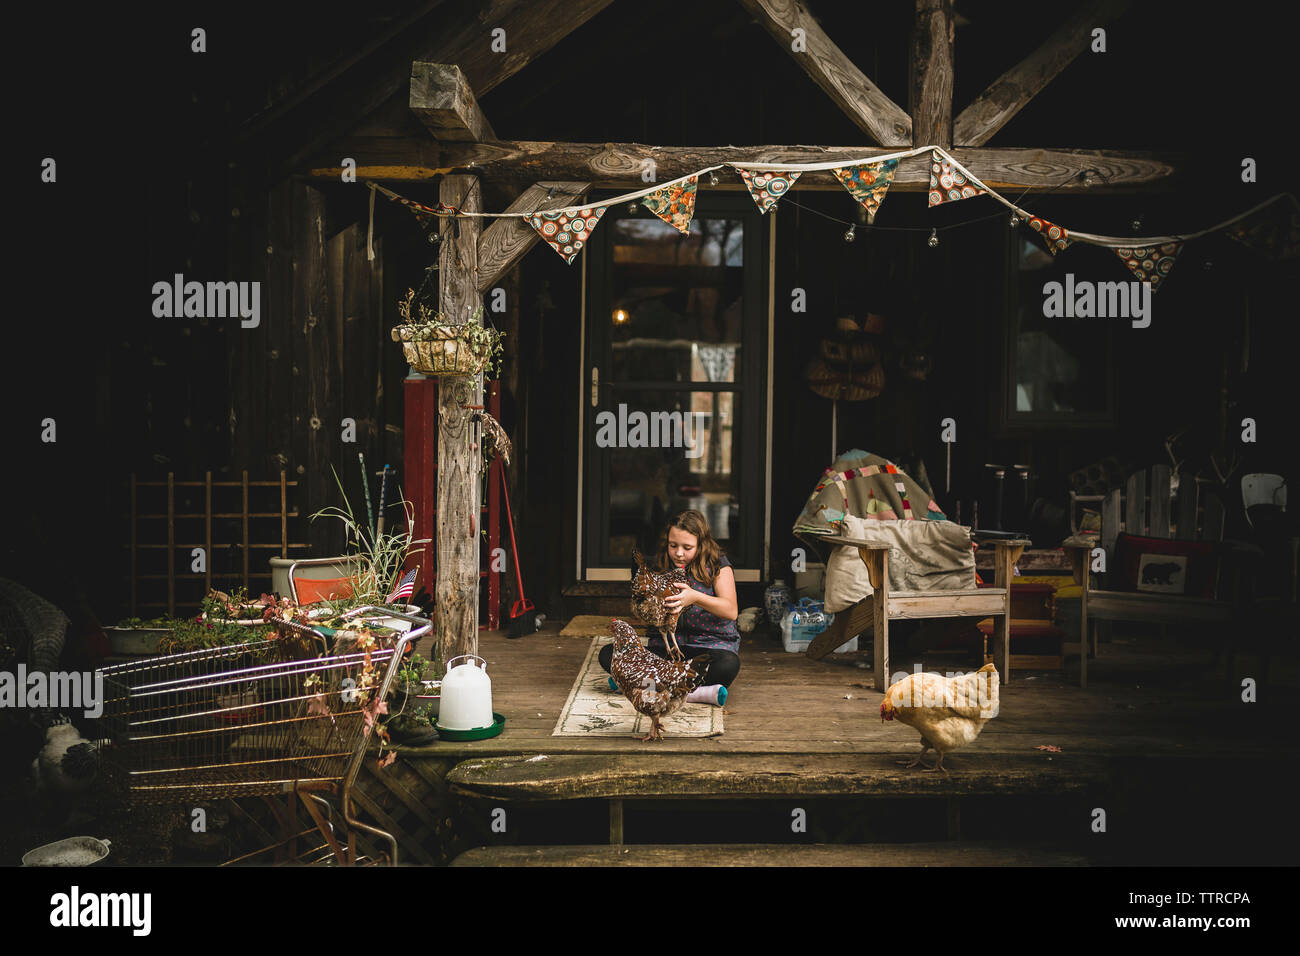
{"points": [[428, 325], [380, 557]]}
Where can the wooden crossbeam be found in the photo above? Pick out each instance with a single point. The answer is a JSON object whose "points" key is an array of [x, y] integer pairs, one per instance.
{"points": [[620, 164], [442, 100], [1011, 91], [853, 92], [505, 241]]}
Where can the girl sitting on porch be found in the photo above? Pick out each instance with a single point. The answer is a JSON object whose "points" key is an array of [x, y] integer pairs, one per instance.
{"points": [[708, 606]]}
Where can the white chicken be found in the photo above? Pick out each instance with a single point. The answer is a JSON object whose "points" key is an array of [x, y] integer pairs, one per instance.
{"points": [[948, 712], [68, 763]]}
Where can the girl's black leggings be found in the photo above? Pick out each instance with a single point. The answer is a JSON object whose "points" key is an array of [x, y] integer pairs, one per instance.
{"points": [[723, 667]]}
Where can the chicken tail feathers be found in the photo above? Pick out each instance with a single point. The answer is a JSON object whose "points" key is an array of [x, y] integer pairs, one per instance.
{"points": [[700, 665]]}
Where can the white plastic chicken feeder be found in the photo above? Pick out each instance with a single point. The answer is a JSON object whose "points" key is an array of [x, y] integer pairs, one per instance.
{"points": [[466, 695]]}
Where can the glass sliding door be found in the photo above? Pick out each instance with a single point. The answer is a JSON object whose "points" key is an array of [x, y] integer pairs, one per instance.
{"points": [[675, 381]]}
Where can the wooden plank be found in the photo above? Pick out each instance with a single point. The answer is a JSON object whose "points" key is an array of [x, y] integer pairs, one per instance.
{"points": [[442, 100], [1160, 501], [505, 241], [741, 854], [1011, 92], [1157, 608], [826, 65], [620, 164], [930, 90], [308, 354], [460, 466], [280, 370], [1187, 488], [600, 776], [944, 604], [1135, 503]]}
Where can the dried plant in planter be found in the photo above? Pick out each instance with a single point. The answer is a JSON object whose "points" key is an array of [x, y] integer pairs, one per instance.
{"points": [[435, 346], [381, 555]]}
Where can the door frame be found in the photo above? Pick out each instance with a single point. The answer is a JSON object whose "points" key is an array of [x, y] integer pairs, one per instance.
{"points": [[751, 558]]}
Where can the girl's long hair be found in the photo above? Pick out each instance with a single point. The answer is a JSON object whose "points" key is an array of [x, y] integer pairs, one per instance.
{"points": [[708, 555]]}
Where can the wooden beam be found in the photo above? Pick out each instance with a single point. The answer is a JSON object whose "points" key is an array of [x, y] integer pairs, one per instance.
{"points": [[330, 109], [460, 464], [442, 100], [505, 241], [853, 92], [930, 93], [619, 164], [1009, 93]]}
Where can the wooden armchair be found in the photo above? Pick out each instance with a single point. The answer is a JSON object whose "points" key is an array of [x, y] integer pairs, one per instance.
{"points": [[1199, 519], [884, 605]]}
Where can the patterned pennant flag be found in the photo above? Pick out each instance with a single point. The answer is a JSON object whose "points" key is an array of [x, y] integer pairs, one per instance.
{"points": [[1151, 263], [674, 204], [1056, 236], [767, 187], [947, 184], [868, 183], [567, 232], [1274, 231]]}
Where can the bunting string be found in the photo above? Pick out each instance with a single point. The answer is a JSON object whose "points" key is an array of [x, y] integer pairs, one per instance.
{"points": [[567, 228]]}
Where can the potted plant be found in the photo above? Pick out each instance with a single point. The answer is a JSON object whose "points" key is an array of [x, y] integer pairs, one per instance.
{"points": [[435, 346]]}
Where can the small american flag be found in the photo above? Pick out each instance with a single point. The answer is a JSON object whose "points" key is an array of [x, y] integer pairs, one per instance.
{"points": [[405, 588]]}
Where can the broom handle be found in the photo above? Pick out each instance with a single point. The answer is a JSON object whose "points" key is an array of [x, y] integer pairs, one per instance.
{"points": [[501, 470]]}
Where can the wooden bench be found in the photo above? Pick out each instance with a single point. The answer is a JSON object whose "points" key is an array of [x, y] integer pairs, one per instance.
{"points": [[884, 605], [1199, 518]]}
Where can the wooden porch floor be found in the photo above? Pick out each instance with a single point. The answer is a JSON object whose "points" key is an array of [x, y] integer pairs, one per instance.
{"points": [[1185, 771], [1149, 697]]}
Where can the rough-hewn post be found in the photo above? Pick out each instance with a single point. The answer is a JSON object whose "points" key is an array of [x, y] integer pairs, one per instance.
{"points": [[930, 94], [459, 465]]}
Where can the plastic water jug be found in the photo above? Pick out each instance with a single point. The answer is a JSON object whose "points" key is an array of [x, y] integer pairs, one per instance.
{"points": [[466, 695]]}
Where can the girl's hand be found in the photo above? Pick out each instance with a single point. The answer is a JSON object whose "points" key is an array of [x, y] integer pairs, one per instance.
{"points": [[685, 596]]}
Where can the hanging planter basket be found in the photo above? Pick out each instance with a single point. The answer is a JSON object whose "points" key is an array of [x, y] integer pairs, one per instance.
{"points": [[446, 350], [434, 346]]}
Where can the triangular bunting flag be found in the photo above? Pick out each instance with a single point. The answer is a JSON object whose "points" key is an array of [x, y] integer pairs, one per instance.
{"points": [[947, 184], [1151, 263], [1274, 231], [767, 187], [868, 183], [1056, 236], [567, 232], [674, 204]]}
